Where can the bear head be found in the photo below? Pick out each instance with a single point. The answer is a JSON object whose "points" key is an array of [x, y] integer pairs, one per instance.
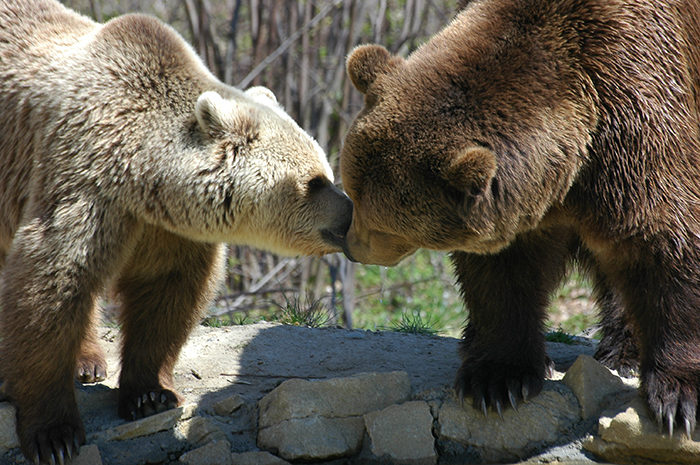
{"points": [[270, 183], [412, 177], [456, 145]]}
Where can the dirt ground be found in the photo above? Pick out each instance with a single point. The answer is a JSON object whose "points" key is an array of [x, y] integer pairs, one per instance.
{"points": [[251, 360]]}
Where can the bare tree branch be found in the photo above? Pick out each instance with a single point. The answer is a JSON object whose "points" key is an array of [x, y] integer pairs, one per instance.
{"points": [[286, 44]]}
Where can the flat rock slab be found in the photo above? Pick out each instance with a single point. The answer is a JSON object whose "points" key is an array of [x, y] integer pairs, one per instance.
{"points": [[543, 419], [629, 435], [313, 438], [315, 420], [334, 398], [402, 434]]}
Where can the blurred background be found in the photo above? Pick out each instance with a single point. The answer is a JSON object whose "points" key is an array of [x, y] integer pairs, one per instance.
{"points": [[297, 48]]}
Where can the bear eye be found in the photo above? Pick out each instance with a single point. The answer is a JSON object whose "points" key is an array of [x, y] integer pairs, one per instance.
{"points": [[316, 183]]}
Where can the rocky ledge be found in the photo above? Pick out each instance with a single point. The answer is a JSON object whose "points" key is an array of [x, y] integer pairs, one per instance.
{"points": [[273, 394]]}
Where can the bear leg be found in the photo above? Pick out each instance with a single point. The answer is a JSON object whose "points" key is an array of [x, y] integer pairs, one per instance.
{"points": [[164, 294], [661, 299], [503, 351], [52, 278], [617, 349], [92, 365]]}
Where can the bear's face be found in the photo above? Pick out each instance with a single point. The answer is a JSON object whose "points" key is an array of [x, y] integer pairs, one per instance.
{"points": [[456, 146], [280, 195], [411, 186]]}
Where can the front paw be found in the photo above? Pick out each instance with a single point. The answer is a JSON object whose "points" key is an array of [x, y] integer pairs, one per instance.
{"points": [[499, 384], [671, 401], [133, 406], [53, 444]]}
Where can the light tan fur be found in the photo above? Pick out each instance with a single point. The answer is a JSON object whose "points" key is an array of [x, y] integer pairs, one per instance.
{"points": [[124, 162]]}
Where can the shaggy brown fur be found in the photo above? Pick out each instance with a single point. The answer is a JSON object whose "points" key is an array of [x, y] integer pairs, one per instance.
{"points": [[124, 163], [528, 135]]}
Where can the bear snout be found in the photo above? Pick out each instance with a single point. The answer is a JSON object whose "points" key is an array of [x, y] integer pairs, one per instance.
{"points": [[342, 207]]}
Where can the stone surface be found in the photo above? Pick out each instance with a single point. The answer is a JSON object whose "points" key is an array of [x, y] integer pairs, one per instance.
{"points": [[251, 360], [227, 406], [591, 382], [334, 398], [402, 434], [199, 431], [257, 458], [214, 453], [146, 426], [313, 438], [89, 455], [8, 424], [542, 420], [630, 436]]}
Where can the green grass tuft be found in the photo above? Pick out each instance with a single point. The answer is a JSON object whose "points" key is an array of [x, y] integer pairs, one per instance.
{"points": [[559, 335], [413, 323], [297, 313]]}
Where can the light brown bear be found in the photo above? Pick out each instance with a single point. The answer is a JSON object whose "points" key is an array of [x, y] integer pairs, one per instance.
{"points": [[124, 163], [527, 135]]}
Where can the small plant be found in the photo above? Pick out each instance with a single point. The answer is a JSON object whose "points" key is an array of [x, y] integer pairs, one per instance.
{"points": [[311, 314], [239, 319], [559, 335], [235, 319], [413, 323]]}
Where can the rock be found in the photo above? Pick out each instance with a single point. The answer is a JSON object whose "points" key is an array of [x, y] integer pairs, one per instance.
{"points": [[402, 434], [89, 455], [8, 426], [146, 426], [591, 382], [541, 420], [214, 453], [199, 431], [564, 355], [257, 458], [314, 438], [227, 406], [334, 398], [629, 435], [315, 420]]}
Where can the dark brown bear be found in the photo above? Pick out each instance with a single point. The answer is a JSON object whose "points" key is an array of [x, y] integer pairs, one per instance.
{"points": [[530, 135]]}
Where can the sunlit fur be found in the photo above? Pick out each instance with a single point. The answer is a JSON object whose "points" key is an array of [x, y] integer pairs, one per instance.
{"points": [[125, 164]]}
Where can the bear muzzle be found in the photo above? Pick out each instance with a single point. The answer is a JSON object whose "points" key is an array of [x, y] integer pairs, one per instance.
{"points": [[342, 207], [375, 248]]}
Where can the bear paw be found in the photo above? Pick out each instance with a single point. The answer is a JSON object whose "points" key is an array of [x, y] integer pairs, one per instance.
{"points": [[91, 369], [619, 352], [133, 407], [54, 444], [498, 384], [672, 401]]}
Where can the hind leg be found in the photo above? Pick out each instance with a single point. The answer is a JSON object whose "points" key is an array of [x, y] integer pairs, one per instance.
{"points": [[617, 349], [164, 293], [92, 365], [661, 294]]}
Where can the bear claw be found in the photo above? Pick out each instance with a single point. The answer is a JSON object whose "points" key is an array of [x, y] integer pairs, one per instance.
{"points": [[54, 447], [672, 405], [148, 404]]}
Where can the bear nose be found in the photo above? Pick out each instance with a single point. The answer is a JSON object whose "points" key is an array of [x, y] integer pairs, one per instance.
{"points": [[337, 232]]}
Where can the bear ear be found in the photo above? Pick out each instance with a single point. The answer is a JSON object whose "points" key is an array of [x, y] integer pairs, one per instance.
{"points": [[262, 92], [214, 114], [366, 62], [470, 173]]}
